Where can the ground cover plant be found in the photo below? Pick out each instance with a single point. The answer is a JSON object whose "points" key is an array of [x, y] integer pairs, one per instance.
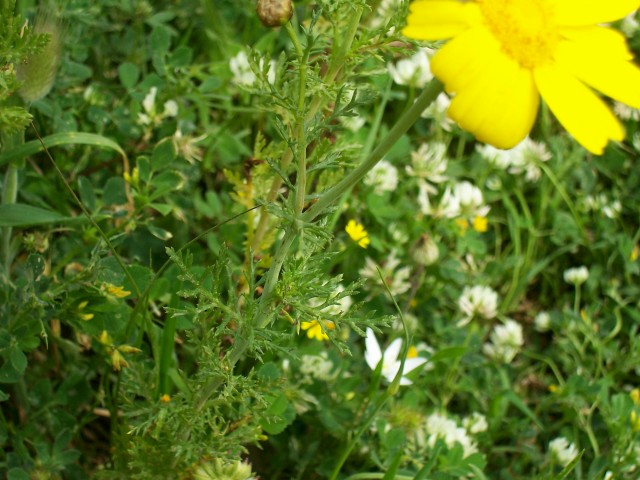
{"points": [[331, 239]]}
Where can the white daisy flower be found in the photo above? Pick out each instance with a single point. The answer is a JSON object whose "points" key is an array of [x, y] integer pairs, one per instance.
{"points": [[390, 361]]}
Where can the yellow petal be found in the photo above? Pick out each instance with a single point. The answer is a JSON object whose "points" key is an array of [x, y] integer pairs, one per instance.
{"points": [[459, 62], [579, 109], [495, 99], [591, 12], [600, 41], [616, 78], [440, 19]]}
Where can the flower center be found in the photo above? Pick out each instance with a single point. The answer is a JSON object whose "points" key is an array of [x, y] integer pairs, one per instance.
{"points": [[524, 29]]}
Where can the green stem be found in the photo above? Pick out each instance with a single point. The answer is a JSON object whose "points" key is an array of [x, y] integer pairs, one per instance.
{"points": [[301, 145], [9, 196], [405, 122]]}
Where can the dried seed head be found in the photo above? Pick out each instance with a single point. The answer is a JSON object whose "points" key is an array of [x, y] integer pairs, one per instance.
{"points": [[274, 13], [38, 72]]}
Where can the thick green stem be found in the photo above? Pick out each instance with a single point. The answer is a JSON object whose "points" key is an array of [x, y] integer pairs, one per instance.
{"points": [[301, 144], [9, 194], [428, 95]]}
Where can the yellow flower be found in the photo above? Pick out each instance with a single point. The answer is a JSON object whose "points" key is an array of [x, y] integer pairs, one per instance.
{"points": [[505, 54], [635, 396], [634, 253], [166, 398], [84, 316], [118, 292], [314, 329], [480, 224], [357, 233]]}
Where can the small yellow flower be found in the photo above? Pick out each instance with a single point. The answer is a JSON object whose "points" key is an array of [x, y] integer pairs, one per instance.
{"points": [[133, 178], [634, 253], [357, 233], [553, 388], [84, 316], [635, 396], [166, 398], [480, 224], [105, 338], [505, 54], [118, 292], [314, 329], [118, 361]]}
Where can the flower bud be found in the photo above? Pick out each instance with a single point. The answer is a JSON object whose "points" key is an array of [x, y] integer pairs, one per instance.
{"points": [[274, 13], [426, 251]]}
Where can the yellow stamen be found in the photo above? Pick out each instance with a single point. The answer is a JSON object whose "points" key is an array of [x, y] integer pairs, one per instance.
{"points": [[524, 29]]}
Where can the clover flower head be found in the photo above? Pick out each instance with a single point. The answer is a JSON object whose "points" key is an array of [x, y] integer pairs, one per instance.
{"points": [[242, 72], [562, 451], [319, 367], [440, 426], [413, 71], [576, 275], [523, 158], [389, 358], [504, 55], [464, 199], [478, 301], [476, 423], [437, 111], [506, 341], [542, 322], [429, 162], [383, 177]]}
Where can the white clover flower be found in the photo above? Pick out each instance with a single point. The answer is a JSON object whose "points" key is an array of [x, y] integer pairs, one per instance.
{"points": [[437, 111], [150, 115], [170, 108], [464, 200], [149, 102], [424, 190], [385, 11], [414, 71], [242, 73], [353, 124], [397, 279], [317, 366], [506, 341], [429, 162], [576, 276], [476, 423], [478, 301], [439, 426], [601, 204], [398, 234], [383, 177], [542, 322], [239, 66], [562, 451], [390, 361], [524, 157]]}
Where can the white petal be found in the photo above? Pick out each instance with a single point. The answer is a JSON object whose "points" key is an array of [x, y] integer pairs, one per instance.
{"points": [[392, 351], [372, 354]]}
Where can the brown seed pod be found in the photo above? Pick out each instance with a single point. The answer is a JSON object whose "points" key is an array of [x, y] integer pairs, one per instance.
{"points": [[274, 13]]}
